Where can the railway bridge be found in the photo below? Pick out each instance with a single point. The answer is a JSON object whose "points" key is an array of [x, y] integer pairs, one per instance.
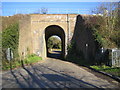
{"points": [[35, 30]]}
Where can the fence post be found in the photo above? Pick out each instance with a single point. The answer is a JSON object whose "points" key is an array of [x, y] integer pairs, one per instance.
{"points": [[113, 58]]}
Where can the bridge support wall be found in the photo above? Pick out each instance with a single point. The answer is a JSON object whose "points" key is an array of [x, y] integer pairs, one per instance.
{"points": [[32, 33]]}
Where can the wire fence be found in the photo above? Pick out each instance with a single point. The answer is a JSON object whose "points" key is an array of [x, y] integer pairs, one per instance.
{"points": [[46, 11]]}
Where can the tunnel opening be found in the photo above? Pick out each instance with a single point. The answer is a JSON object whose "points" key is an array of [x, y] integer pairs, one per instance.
{"points": [[56, 32], [54, 47]]}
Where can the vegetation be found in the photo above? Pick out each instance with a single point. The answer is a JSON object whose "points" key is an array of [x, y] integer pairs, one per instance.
{"points": [[75, 56], [30, 59], [105, 25], [107, 28], [107, 69], [10, 37], [10, 34], [54, 42]]}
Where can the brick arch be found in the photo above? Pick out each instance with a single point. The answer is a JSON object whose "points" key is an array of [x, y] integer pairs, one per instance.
{"points": [[55, 30]]}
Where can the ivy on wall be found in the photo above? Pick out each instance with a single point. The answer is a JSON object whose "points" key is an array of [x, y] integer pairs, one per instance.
{"points": [[10, 38]]}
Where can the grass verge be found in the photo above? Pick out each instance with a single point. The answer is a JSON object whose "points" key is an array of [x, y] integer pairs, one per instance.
{"points": [[30, 59], [82, 62], [114, 71]]}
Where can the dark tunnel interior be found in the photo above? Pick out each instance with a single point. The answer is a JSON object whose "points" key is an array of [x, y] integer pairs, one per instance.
{"points": [[58, 31]]}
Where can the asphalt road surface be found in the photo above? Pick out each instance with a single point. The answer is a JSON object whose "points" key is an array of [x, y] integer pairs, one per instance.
{"points": [[53, 73]]}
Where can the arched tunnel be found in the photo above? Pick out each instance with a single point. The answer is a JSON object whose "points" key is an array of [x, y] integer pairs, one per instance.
{"points": [[58, 31]]}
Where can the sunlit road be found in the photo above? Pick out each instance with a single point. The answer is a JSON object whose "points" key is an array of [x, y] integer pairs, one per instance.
{"points": [[55, 53], [53, 73]]}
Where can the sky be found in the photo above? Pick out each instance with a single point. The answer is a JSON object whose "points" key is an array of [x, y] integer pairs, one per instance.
{"points": [[60, 0], [11, 7]]}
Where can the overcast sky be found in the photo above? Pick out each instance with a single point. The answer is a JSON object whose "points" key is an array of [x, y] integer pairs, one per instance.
{"points": [[59, 0]]}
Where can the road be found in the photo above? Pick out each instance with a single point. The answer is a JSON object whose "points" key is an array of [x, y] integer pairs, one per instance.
{"points": [[53, 73]]}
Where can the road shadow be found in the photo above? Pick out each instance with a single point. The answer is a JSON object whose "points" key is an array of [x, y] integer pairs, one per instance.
{"points": [[45, 77], [54, 77], [55, 55]]}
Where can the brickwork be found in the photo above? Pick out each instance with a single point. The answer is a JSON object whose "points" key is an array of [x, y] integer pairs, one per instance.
{"points": [[33, 27]]}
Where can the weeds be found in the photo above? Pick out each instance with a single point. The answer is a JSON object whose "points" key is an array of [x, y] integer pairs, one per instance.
{"points": [[30, 59]]}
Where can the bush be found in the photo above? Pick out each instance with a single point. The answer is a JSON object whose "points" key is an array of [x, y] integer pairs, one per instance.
{"points": [[10, 39]]}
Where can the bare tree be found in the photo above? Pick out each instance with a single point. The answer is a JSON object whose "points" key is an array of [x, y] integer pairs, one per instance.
{"points": [[44, 10], [108, 23], [41, 11]]}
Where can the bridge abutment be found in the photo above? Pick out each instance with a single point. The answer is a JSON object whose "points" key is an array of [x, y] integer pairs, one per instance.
{"points": [[32, 38]]}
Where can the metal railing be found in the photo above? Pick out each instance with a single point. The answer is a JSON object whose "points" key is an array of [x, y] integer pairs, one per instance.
{"points": [[115, 58], [48, 11], [54, 11]]}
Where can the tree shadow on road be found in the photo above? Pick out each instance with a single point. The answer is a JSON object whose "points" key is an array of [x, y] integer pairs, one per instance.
{"points": [[69, 81], [45, 77]]}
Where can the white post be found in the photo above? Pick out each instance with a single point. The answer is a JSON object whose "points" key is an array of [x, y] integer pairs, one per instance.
{"points": [[112, 57], [86, 51], [116, 61]]}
